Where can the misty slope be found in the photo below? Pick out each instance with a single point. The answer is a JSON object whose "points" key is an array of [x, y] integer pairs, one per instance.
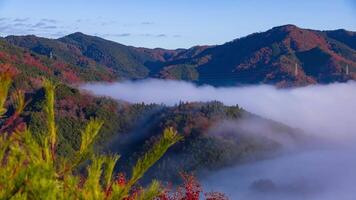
{"points": [[216, 136], [270, 57]]}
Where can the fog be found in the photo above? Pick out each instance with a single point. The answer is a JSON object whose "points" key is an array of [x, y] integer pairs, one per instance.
{"points": [[325, 111], [327, 174], [261, 130], [328, 110]]}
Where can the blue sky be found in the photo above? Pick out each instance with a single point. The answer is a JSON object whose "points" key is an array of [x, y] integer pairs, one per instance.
{"points": [[170, 23]]}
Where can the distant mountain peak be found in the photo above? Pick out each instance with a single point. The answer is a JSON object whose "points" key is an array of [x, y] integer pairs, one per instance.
{"points": [[76, 34], [287, 27]]}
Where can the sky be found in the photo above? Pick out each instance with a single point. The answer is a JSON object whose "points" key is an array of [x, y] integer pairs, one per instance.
{"points": [[170, 24]]}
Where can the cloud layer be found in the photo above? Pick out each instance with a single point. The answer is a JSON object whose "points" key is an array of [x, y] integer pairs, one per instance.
{"points": [[314, 175], [326, 172], [327, 110]]}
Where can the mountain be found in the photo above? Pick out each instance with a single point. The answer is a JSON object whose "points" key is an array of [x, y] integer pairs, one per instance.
{"points": [[84, 52], [284, 56], [132, 128], [123, 60]]}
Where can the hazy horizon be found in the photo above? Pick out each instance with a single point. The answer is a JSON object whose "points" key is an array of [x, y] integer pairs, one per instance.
{"points": [[173, 48]]}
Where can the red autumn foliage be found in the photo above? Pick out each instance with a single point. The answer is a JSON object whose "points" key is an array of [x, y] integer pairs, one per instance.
{"points": [[304, 40], [8, 69], [106, 77], [4, 56], [36, 82], [30, 60], [59, 65], [14, 58], [121, 179], [191, 190], [13, 124], [215, 196], [70, 77]]}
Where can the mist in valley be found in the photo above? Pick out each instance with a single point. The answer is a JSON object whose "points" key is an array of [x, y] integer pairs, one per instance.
{"points": [[326, 169]]}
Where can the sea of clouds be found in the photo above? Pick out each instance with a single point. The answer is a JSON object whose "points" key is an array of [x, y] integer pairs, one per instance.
{"points": [[326, 111]]}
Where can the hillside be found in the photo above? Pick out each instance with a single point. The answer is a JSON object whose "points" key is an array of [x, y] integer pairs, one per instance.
{"points": [[31, 66], [284, 56], [82, 52], [215, 136]]}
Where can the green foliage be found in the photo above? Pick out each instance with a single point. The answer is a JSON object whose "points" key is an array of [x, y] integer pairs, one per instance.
{"points": [[33, 170], [87, 139], [49, 109], [124, 61], [5, 81], [154, 190], [180, 72], [169, 138]]}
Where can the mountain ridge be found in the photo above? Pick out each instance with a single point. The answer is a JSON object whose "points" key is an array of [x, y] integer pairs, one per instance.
{"points": [[285, 56]]}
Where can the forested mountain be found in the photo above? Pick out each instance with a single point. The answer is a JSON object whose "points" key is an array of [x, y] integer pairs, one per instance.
{"points": [[215, 136], [130, 129], [35, 65], [284, 56]]}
